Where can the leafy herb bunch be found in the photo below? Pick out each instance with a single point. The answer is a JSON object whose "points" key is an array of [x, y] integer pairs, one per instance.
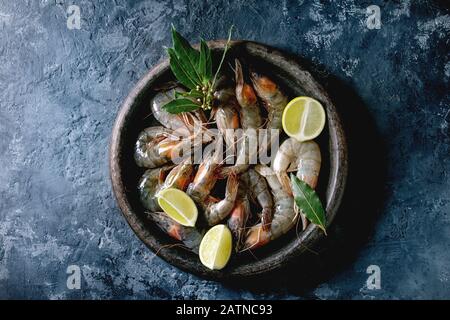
{"points": [[193, 69]]}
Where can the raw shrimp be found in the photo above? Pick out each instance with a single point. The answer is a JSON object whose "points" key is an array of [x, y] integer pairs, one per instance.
{"points": [[274, 100], [303, 157], [207, 175], [216, 210], [149, 185], [251, 121], [259, 191], [191, 237], [157, 145], [245, 95], [239, 215], [284, 217]]}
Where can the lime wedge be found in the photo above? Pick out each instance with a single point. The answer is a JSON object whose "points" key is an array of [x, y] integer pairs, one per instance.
{"points": [[178, 206], [215, 248]]}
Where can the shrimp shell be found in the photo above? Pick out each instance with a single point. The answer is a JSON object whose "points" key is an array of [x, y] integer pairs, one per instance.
{"points": [[180, 176]]}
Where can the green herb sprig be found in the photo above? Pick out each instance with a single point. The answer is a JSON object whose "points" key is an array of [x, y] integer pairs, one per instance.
{"points": [[308, 202], [193, 69]]}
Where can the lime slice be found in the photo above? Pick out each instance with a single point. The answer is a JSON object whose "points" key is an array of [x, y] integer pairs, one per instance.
{"points": [[303, 118], [178, 206], [215, 248]]}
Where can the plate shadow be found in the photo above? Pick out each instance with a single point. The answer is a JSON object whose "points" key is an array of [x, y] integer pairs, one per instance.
{"points": [[361, 206]]}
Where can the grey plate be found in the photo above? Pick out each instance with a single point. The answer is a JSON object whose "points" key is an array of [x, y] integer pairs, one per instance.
{"points": [[134, 115]]}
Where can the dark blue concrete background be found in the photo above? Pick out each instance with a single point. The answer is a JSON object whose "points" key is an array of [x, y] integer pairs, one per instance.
{"points": [[60, 90]]}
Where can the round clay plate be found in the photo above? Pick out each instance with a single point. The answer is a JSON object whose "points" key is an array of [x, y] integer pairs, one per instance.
{"points": [[135, 115]]}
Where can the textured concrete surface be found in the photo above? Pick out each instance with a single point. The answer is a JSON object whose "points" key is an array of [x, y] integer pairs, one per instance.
{"points": [[60, 90]]}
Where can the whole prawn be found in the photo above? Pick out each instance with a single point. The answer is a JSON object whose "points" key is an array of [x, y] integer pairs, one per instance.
{"points": [[284, 216], [205, 179], [302, 157], [259, 191], [251, 121], [246, 97], [274, 100]]}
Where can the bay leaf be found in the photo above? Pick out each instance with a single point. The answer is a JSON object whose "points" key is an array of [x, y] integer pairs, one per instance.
{"points": [[308, 202], [205, 62], [180, 105], [179, 71], [188, 57]]}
